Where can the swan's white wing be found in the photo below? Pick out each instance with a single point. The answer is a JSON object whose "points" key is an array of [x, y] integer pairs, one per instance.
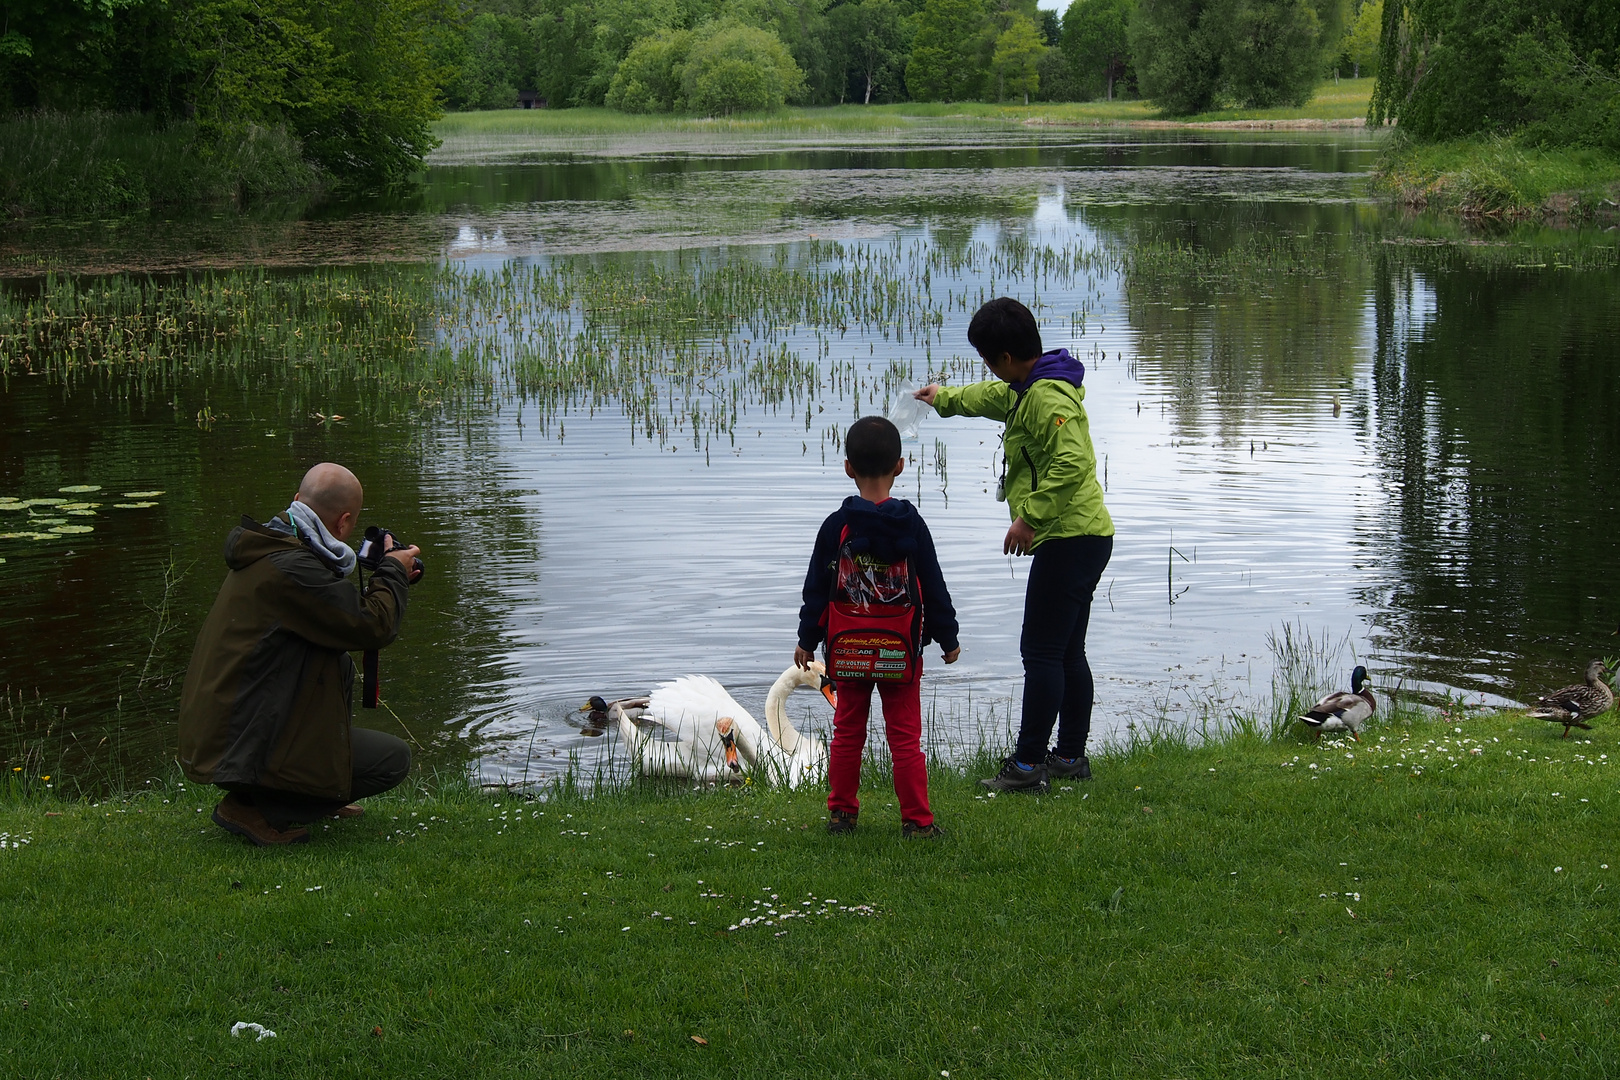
{"points": [[688, 707], [690, 701]]}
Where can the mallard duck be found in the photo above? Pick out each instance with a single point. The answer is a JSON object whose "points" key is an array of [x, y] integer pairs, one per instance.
{"points": [[1573, 706], [1343, 711]]}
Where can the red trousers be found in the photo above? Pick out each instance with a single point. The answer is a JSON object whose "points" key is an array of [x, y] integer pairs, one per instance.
{"points": [[902, 723]]}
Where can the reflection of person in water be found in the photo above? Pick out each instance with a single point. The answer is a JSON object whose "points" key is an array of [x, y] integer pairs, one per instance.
{"points": [[1049, 480], [266, 707]]}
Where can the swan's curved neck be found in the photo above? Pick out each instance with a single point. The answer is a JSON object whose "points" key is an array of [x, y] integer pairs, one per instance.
{"points": [[782, 730]]}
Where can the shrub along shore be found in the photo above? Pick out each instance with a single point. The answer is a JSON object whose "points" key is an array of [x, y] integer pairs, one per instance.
{"points": [[1436, 896], [1501, 177]]}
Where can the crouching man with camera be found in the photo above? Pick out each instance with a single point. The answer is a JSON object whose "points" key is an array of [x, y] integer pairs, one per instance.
{"points": [[268, 697]]}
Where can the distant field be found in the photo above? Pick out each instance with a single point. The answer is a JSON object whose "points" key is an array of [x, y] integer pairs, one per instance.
{"points": [[1345, 101]]}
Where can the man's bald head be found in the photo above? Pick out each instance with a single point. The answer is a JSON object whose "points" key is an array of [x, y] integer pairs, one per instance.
{"points": [[334, 493]]}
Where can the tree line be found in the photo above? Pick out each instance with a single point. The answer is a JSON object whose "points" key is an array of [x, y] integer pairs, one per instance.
{"points": [[733, 55], [359, 82]]}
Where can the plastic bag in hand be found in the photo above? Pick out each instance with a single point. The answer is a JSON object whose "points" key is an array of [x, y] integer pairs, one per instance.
{"points": [[907, 412]]}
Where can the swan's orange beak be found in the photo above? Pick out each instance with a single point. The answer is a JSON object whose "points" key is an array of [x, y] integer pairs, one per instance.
{"points": [[728, 739], [829, 692]]}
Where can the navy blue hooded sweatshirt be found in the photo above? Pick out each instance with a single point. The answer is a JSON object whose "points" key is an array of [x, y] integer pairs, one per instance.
{"points": [[894, 530]]}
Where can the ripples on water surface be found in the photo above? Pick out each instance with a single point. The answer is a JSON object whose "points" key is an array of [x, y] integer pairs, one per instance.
{"points": [[617, 470]]}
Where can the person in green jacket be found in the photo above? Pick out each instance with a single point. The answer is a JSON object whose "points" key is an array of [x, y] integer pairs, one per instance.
{"points": [[267, 701], [1049, 482]]}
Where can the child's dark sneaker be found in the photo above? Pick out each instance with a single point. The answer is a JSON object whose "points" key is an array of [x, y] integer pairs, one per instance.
{"points": [[840, 821], [1058, 768], [913, 831], [1014, 778]]}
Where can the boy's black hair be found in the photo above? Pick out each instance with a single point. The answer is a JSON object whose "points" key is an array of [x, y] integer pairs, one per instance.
{"points": [[1003, 325], [872, 446]]}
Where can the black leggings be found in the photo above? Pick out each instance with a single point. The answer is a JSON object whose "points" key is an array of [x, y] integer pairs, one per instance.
{"points": [[380, 762], [1063, 577]]}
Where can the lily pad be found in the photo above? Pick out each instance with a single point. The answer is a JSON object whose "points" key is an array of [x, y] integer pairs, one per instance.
{"points": [[79, 489], [71, 507], [142, 494], [13, 506], [81, 513], [73, 530], [47, 521], [133, 505], [53, 501]]}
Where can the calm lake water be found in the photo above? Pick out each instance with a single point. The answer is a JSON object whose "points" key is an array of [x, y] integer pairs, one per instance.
{"points": [[1313, 418]]}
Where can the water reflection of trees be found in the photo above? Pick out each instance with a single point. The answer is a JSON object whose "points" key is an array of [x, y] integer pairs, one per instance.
{"points": [[1496, 394], [1235, 317]]}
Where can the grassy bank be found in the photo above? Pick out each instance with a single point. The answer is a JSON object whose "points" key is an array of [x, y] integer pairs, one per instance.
{"points": [[1345, 101], [1500, 177], [98, 164], [1438, 897]]}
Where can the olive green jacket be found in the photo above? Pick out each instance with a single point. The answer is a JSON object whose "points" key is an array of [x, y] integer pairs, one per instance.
{"points": [[268, 695], [1051, 467]]}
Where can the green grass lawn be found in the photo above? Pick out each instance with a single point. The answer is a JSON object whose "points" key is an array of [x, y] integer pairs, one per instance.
{"points": [[1434, 899], [1345, 100]]}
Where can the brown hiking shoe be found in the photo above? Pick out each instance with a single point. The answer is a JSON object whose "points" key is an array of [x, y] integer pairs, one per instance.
{"points": [[840, 822], [353, 810], [234, 815]]}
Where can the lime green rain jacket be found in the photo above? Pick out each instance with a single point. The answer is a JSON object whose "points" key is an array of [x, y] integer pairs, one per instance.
{"points": [[1051, 468]]}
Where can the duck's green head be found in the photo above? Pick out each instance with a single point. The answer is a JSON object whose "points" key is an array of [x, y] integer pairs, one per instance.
{"points": [[1357, 678], [597, 703]]}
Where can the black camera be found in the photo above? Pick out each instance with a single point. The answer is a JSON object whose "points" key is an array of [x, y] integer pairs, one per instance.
{"points": [[375, 547]]}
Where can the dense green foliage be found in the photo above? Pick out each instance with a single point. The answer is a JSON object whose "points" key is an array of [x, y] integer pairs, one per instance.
{"points": [[1361, 42], [1431, 901], [1096, 42], [877, 37], [1192, 54], [1015, 62], [950, 52], [353, 81], [1551, 68], [1260, 53]]}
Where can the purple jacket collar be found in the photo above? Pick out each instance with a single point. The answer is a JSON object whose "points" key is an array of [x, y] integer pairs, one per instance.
{"points": [[1057, 364]]}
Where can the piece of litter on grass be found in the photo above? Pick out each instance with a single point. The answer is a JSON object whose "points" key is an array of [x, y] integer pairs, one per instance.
{"points": [[700, 1040], [260, 1032]]}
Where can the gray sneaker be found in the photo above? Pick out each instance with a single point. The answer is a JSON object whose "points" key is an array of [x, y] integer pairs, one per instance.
{"points": [[1058, 769], [1012, 778]]}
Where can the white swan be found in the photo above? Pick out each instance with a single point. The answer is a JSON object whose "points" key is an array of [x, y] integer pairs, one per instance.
{"points": [[698, 751], [802, 757], [696, 708]]}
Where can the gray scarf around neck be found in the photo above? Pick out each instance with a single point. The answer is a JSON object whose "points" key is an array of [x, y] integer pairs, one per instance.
{"points": [[308, 525]]}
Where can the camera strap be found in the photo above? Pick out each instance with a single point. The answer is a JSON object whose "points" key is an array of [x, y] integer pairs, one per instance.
{"points": [[370, 687], [368, 679]]}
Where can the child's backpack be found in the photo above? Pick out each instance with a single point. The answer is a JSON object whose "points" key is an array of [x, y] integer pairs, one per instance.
{"points": [[873, 618]]}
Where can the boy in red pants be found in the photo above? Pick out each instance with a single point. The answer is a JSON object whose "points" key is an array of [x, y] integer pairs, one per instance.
{"points": [[876, 594]]}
